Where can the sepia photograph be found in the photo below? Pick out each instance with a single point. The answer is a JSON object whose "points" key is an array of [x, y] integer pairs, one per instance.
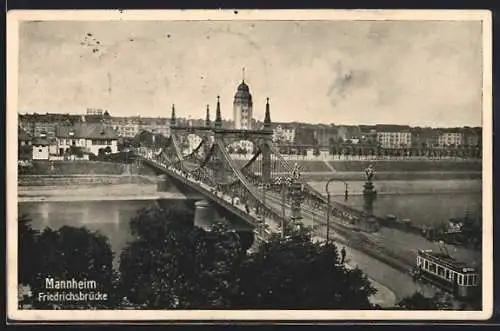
{"points": [[249, 165]]}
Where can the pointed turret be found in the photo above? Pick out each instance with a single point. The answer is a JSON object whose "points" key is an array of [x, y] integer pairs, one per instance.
{"points": [[207, 119], [172, 117], [218, 117], [267, 118]]}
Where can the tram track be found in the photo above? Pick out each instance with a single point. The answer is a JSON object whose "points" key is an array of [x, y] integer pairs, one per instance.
{"points": [[356, 240]]}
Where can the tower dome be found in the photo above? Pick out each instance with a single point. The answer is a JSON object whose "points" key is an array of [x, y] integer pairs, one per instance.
{"points": [[242, 106], [243, 94]]}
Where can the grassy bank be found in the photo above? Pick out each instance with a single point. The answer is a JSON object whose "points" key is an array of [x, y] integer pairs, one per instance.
{"points": [[92, 180]]}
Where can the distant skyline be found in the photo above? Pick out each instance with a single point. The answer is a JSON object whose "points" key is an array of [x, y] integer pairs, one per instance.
{"points": [[417, 73]]}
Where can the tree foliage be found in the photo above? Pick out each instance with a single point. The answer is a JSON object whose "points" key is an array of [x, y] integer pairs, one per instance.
{"points": [[64, 254], [296, 273], [27, 240], [170, 264]]}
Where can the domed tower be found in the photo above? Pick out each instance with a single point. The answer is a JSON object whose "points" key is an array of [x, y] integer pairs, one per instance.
{"points": [[243, 106]]}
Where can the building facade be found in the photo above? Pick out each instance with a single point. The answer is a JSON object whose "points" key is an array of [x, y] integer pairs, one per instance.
{"points": [[89, 137], [284, 132], [394, 136], [243, 108], [129, 127], [451, 139], [43, 147]]}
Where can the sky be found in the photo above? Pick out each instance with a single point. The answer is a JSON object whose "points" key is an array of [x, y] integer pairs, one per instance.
{"points": [[425, 73]]}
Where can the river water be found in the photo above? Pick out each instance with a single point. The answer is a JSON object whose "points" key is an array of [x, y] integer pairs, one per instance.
{"points": [[112, 218]]}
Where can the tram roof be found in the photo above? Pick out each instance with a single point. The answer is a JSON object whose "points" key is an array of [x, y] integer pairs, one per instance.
{"points": [[447, 261]]}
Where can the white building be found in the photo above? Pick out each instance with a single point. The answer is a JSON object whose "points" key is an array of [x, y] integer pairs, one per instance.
{"points": [[90, 137], [43, 147], [394, 139], [243, 108], [126, 126], [40, 149], [450, 139], [284, 133]]}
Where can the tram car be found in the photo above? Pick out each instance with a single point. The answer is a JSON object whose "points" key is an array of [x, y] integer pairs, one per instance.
{"points": [[443, 271]]}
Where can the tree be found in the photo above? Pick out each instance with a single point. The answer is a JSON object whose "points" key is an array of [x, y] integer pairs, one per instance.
{"points": [[25, 152], [296, 273], [66, 254], [77, 151], [27, 249], [172, 264]]}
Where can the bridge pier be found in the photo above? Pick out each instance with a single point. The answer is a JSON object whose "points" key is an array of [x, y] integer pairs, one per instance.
{"points": [[204, 214], [164, 184], [369, 195]]}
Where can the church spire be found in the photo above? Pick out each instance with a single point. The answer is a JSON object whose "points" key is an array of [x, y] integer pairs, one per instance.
{"points": [[172, 117], [243, 74], [207, 119], [267, 118], [218, 117]]}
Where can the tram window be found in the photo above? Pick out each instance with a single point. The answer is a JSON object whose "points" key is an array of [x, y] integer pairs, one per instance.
{"points": [[448, 274], [426, 264], [432, 267], [440, 271], [469, 280], [459, 280]]}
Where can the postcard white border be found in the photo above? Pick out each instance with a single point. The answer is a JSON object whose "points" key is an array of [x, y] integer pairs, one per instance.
{"points": [[13, 19]]}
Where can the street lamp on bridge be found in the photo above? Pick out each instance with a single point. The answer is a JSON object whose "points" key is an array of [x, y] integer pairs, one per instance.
{"points": [[328, 207]]}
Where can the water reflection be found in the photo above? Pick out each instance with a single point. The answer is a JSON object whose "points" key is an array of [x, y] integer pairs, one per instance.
{"points": [[423, 209], [112, 218]]}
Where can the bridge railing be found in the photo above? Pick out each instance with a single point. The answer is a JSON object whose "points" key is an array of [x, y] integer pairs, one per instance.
{"points": [[192, 182]]}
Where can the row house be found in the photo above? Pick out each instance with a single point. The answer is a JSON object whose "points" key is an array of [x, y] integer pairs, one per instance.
{"points": [[131, 126], [125, 126], [283, 132], [394, 136], [451, 137], [38, 124], [90, 137]]}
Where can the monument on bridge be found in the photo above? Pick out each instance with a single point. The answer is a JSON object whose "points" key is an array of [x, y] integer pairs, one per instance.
{"points": [[296, 194], [369, 196]]}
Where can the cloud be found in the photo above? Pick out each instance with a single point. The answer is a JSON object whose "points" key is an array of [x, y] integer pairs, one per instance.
{"points": [[342, 72]]}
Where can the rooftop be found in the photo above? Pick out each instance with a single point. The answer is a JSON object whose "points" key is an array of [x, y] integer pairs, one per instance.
{"points": [[87, 131]]}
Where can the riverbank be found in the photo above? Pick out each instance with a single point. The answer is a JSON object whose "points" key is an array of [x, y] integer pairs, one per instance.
{"points": [[391, 187], [128, 191], [394, 175], [61, 188], [71, 180]]}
